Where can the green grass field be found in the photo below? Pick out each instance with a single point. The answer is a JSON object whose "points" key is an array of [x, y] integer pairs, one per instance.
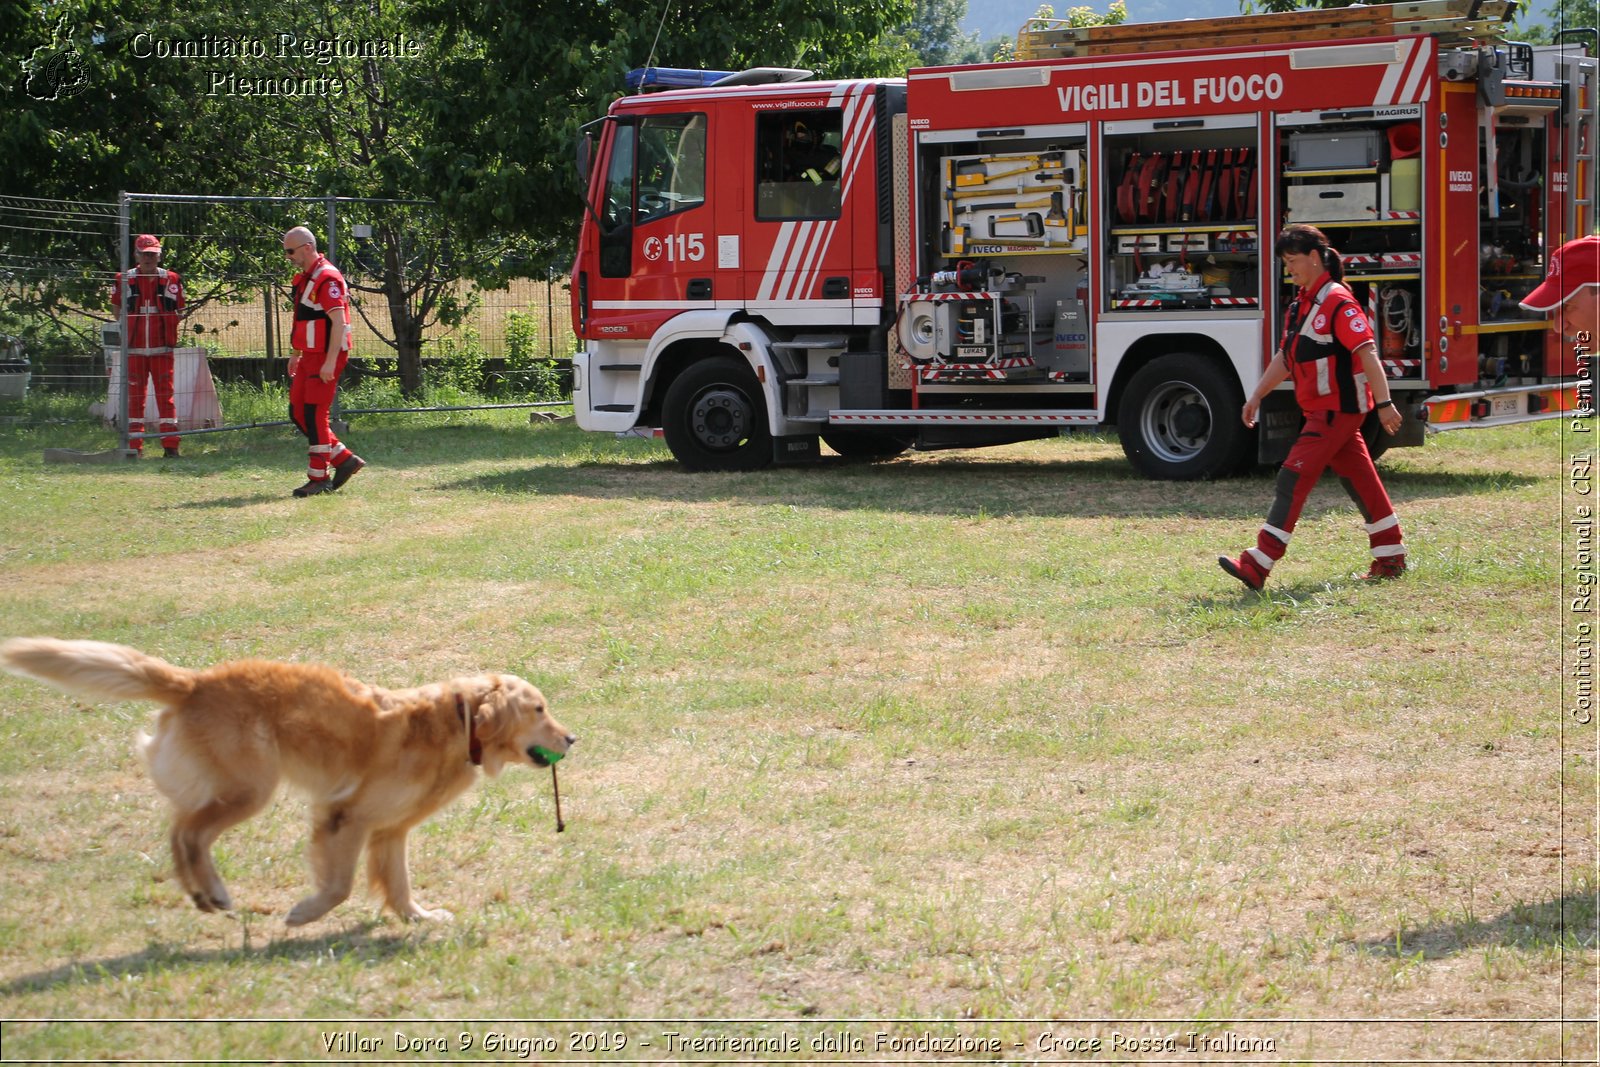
{"points": [[974, 745]]}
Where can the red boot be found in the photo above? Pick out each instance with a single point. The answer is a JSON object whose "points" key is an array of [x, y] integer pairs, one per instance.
{"points": [[1245, 569], [1384, 567]]}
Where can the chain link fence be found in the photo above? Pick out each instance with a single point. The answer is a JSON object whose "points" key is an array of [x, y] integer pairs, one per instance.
{"points": [[436, 320]]}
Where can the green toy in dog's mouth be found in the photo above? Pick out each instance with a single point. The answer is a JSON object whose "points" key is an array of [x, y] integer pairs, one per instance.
{"points": [[551, 759]]}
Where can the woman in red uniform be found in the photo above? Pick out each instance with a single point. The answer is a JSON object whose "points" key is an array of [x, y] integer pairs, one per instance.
{"points": [[1329, 351]]}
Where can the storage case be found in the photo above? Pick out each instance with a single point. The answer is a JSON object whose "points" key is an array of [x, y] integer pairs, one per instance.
{"points": [[1333, 202], [1334, 150], [1405, 185], [1189, 242]]}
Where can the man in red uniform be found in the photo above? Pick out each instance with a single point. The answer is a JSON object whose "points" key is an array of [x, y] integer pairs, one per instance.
{"points": [[1570, 294], [321, 340], [153, 297], [1328, 349]]}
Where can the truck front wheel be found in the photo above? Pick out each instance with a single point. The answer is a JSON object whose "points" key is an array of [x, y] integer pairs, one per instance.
{"points": [[1179, 420], [714, 417]]}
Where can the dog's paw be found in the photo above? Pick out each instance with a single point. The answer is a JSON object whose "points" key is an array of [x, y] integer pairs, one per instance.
{"points": [[219, 901], [433, 915], [308, 910]]}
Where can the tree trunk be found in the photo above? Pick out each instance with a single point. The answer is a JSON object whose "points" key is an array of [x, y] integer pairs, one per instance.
{"points": [[408, 351], [407, 326]]}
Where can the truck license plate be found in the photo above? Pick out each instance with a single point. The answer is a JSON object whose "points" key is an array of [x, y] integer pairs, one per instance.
{"points": [[1504, 405]]}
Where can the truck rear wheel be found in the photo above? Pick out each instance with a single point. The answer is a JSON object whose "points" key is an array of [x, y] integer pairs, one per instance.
{"points": [[1372, 432], [1179, 420], [714, 417]]}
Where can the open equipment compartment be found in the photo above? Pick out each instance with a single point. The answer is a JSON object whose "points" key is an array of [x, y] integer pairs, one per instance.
{"points": [[1184, 221]]}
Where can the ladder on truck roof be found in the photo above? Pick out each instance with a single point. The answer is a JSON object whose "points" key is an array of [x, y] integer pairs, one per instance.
{"points": [[1580, 72], [1457, 23]]}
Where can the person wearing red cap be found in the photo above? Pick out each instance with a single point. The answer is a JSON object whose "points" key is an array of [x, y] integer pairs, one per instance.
{"points": [[321, 341], [1570, 293], [1329, 351], [153, 297]]}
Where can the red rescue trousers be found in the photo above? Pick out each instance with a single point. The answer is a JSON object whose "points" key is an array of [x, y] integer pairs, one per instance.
{"points": [[1329, 440], [310, 401], [140, 370]]}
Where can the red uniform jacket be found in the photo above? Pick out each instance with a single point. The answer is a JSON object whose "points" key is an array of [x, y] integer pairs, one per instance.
{"points": [[318, 294], [1322, 330], [154, 301]]}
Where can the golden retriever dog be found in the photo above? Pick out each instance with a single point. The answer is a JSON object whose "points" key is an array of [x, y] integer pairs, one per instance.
{"points": [[373, 762]]}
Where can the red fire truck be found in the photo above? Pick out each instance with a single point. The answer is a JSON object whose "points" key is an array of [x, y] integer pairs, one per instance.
{"points": [[985, 254]]}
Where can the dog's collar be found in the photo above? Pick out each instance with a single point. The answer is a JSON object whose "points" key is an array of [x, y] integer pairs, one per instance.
{"points": [[474, 748]]}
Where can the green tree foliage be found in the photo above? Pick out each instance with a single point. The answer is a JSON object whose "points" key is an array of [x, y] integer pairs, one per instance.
{"points": [[934, 34], [86, 119], [1562, 15], [519, 81], [292, 116], [481, 116], [1115, 14], [124, 123]]}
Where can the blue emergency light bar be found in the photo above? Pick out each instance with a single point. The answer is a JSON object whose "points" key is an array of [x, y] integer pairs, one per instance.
{"points": [[644, 79]]}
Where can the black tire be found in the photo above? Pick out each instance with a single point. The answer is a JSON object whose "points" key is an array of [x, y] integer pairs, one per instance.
{"points": [[866, 446], [1378, 442], [1179, 420], [715, 418]]}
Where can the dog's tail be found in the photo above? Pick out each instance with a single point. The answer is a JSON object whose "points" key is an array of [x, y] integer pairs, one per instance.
{"points": [[95, 670]]}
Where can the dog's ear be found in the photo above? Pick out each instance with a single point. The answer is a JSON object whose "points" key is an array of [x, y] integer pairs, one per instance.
{"points": [[488, 717], [489, 723]]}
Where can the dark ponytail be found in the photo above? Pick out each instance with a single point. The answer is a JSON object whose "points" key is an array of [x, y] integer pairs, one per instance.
{"points": [[1301, 238]]}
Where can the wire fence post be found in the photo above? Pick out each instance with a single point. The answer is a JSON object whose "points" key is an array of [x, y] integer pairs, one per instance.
{"points": [[336, 409], [333, 229], [268, 314], [124, 376], [549, 313]]}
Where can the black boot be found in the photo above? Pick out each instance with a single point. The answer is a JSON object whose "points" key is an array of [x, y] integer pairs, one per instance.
{"points": [[343, 472], [313, 487]]}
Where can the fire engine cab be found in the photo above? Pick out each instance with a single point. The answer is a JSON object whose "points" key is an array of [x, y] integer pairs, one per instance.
{"points": [[1083, 237]]}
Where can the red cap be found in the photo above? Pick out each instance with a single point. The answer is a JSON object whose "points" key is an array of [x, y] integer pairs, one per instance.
{"points": [[146, 242], [1575, 265]]}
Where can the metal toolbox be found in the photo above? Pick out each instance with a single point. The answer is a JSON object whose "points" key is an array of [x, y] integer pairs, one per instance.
{"points": [[1334, 150], [1333, 202]]}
